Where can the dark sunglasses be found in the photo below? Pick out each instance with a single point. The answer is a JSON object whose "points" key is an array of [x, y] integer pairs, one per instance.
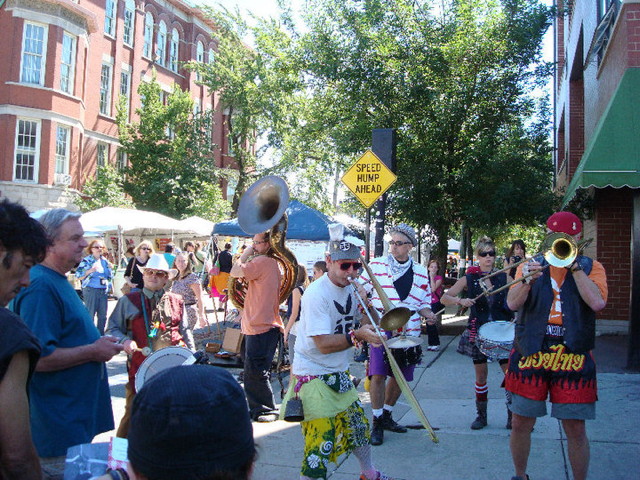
{"points": [[157, 273], [399, 244], [95, 246], [145, 248], [345, 266], [491, 253]]}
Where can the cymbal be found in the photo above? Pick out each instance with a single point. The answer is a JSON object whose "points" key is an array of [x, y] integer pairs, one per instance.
{"points": [[404, 342]]}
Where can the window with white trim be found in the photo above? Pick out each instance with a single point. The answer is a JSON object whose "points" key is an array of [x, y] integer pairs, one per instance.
{"points": [[161, 44], [110, 17], [148, 35], [102, 157], [105, 88], [68, 62], [174, 53], [121, 159], [199, 57], [125, 87], [27, 150], [129, 22], [212, 56], [63, 135], [34, 53]]}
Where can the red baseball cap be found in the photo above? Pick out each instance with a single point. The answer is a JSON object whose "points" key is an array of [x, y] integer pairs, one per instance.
{"points": [[565, 222]]}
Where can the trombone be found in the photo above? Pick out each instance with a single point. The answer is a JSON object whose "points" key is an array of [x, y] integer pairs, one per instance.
{"points": [[558, 249], [397, 373]]}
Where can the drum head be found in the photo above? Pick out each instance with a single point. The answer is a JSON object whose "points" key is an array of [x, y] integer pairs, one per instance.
{"points": [[498, 331], [161, 360], [404, 342]]}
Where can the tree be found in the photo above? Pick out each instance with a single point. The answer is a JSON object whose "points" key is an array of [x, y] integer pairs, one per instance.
{"points": [[170, 151], [103, 190]]}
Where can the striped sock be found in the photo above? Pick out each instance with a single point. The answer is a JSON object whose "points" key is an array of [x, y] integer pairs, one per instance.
{"points": [[482, 392]]}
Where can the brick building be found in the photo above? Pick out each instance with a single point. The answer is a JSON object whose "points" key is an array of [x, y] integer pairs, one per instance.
{"points": [[597, 140], [65, 64]]}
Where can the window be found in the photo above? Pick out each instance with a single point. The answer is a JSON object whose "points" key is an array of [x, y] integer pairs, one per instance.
{"points": [[161, 44], [199, 57], [148, 35], [67, 65], [212, 56], [125, 87], [129, 22], [27, 145], [197, 106], [103, 155], [121, 160], [63, 134], [33, 54], [110, 17], [173, 50], [105, 89]]}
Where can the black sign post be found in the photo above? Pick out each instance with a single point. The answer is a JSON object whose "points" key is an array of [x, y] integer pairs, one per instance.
{"points": [[383, 144]]}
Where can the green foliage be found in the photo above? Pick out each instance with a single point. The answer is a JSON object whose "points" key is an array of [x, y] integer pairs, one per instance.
{"points": [[170, 151], [103, 190]]}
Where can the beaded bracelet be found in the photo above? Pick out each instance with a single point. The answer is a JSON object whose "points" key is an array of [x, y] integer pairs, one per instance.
{"points": [[353, 340]]}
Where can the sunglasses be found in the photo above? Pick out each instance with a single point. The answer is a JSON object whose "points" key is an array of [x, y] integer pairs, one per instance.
{"points": [[145, 248], [346, 265], [157, 273], [258, 242], [399, 244], [95, 246], [491, 253]]}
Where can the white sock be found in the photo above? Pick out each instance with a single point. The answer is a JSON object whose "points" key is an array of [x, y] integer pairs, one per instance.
{"points": [[388, 407], [377, 412]]}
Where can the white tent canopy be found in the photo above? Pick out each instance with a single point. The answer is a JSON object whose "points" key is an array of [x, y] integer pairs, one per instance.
{"points": [[453, 245], [132, 222], [199, 225]]}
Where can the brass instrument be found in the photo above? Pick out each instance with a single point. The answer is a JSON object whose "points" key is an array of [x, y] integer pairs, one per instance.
{"points": [[262, 207], [394, 317], [558, 249], [397, 373]]}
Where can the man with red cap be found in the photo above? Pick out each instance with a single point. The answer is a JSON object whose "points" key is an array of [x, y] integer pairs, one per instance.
{"points": [[555, 334]]}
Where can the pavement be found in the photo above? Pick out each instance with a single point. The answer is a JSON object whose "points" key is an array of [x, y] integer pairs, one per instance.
{"points": [[444, 387]]}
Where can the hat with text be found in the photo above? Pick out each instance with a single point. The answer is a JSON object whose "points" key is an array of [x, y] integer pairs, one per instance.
{"points": [[339, 248], [565, 222]]}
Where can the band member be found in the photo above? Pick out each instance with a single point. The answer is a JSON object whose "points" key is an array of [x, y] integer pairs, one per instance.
{"points": [[334, 421], [406, 283], [261, 324], [485, 309], [146, 321], [555, 334]]}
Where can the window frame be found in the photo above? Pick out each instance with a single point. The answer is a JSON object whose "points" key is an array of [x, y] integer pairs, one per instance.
{"points": [[127, 92], [71, 65], [64, 157], [174, 50], [42, 55], [110, 17], [105, 104], [129, 23], [199, 57], [161, 44], [35, 152], [104, 148], [147, 47]]}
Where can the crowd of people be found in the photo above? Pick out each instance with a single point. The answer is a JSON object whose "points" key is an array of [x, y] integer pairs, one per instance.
{"points": [[54, 348]]}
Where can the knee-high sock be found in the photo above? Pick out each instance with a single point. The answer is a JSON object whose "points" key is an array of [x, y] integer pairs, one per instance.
{"points": [[363, 454], [482, 392]]}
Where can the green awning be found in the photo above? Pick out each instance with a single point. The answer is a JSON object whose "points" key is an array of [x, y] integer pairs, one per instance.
{"points": [[612, 158]]}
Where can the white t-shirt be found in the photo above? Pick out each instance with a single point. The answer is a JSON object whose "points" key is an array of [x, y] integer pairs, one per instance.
{"points": [[326, 309]]}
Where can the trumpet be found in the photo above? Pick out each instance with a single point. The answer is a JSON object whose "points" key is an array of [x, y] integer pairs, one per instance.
{"points": [[397, 373], [558, 249]]}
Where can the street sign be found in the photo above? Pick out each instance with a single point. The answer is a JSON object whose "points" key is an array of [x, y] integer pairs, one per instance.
{"points": [[368, 178]]}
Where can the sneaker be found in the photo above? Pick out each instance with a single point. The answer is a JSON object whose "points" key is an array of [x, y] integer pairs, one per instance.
{"points": [[433, 348], [379, 476], [267, 418]]}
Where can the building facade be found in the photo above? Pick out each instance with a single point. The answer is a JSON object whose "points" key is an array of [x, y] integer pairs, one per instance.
{"points": [[597, 140], [66, 64]]}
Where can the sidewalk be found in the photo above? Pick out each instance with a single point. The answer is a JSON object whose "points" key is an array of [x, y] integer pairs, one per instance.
{"points": [[444, 386]]}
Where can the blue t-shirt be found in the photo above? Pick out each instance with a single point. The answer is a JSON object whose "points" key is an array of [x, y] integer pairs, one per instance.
{"points": [[69, 406]]}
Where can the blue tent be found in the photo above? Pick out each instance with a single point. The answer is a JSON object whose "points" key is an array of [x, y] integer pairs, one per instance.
{"points": [[305, 223]]}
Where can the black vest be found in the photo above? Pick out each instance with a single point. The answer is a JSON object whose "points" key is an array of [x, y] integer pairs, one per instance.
{"points": [[491, 308], [578, 319]]}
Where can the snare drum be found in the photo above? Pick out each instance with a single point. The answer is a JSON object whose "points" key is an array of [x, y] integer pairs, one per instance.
{"points": [[495, 339], [161, 360]]}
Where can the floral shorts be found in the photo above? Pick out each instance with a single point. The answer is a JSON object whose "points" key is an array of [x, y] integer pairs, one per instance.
{"points": [[325, 439]]}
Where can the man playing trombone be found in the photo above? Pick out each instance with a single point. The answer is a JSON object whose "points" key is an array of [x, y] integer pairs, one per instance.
{"points": [[555, 334], [334, 420], [406, 283]]}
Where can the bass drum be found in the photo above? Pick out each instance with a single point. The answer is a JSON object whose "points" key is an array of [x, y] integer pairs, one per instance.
{"points": [[161, 360], [495, 339]]}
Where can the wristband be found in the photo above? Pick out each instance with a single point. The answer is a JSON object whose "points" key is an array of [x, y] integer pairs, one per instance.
{"points": [[575, 267], [349, 338]]}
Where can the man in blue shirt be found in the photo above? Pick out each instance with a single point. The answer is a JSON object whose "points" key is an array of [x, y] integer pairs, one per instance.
{"points": [[69, 393]]}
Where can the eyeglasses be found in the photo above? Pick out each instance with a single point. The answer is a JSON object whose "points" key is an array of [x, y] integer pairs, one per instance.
{"points": [[157, 273], [399, 244], [98, 247], [145, 248], [258, 242], [346, 265], [491, 253]]}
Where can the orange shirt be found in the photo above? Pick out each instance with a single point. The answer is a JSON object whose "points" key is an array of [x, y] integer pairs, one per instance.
{"points": [[261, 304], [558, 275]]}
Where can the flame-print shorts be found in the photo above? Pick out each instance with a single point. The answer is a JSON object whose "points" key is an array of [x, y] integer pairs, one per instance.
{"points": [[555, 372]]}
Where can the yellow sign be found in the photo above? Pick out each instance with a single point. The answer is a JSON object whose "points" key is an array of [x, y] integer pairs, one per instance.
{"points": [[368, 178]]}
